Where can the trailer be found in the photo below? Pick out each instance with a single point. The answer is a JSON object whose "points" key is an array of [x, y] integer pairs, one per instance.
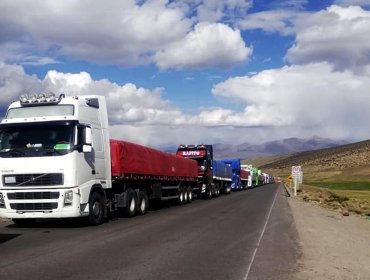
{"points": [[57, 161], [222, 174]]}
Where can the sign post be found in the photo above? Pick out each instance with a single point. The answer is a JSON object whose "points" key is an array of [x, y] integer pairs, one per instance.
{"points": [[296, 174]]}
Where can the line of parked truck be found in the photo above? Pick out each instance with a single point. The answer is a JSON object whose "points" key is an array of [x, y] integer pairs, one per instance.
{"points": [[57, 161]]}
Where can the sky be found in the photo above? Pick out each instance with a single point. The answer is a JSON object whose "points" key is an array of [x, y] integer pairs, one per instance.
{"points": [[191, 71]]}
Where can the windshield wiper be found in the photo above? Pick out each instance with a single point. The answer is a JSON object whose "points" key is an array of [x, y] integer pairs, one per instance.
{"points": [[12, 151]]}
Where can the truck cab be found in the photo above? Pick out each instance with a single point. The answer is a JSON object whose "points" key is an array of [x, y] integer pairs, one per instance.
{"points": [[55, 158], [203, 154]]}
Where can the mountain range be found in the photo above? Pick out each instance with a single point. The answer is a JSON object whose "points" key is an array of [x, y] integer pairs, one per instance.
{"points": [[278, 147]]}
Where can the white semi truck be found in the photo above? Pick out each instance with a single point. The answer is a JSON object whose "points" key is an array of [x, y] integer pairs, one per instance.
{"points": [[57, 161]]}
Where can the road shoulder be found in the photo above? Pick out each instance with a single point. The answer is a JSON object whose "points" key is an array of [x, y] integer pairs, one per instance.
{"points": [[333, 246], [279, 249]]}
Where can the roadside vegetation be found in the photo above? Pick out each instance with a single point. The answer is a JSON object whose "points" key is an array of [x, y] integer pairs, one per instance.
{"points": [[337, 178], [344, 200]]}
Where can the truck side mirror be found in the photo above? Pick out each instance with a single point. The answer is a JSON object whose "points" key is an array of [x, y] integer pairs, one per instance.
{"points": [[87, 141]]}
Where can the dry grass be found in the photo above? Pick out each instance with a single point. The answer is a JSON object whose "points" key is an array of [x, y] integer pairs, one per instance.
{"points": [[345, 201], [336, 178]]}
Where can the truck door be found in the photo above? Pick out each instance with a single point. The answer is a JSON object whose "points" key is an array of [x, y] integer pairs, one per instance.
{"points": [[99, 154]]}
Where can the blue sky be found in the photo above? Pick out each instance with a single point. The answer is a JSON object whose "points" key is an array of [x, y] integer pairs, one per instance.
{"points": [[191, 71]]}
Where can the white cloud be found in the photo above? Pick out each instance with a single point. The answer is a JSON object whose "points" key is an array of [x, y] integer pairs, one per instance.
{"points": [[13, 82], [127, 104], [298, 100], [337, 35], [309, 99], [118, 32], [209, 45], [115, 32], [346, 3], [215, 10], [281, 21]]}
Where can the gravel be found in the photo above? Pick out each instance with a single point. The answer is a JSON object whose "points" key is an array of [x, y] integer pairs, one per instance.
{"points": [[333, 246]]}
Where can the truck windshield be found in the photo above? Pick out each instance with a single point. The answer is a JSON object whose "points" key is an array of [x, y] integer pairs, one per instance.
{"points": [[36, 140], [202, 164]]}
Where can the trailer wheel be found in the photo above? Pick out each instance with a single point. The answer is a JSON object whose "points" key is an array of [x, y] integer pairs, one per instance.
{"points": [[228, 189], [143, 203], [190, 194], [131, 203], [96, 209], [185, 193], [180, 196], [209, 193]]}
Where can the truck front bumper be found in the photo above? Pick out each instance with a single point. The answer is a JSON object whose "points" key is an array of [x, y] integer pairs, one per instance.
{"points": [[42, 203]]}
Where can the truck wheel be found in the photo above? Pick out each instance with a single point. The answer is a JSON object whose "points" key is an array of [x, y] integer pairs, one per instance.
{"points": [[190, 194], [131, 203], [228, 190], [209, 193], [185, 193], [143, 203], [96, 209], [180, 196]]}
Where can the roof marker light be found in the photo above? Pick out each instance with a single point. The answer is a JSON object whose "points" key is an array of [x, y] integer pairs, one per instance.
{"points": [[41, 97], [33, 97], [24, 98]]}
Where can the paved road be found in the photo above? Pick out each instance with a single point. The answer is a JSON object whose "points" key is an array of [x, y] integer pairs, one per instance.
{"points": [[245, 235]]}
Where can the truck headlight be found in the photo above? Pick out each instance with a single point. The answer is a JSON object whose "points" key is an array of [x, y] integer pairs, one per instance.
{"points": [[68, 198], [2, 201]]}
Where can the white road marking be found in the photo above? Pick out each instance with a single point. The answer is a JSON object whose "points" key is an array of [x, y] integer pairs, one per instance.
{"points": [[259, 240]]}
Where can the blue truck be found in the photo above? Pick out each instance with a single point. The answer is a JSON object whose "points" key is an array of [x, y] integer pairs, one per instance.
{"points": [[239, 176]]}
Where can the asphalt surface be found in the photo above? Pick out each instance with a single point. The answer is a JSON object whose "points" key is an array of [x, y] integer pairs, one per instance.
{"points": [[245, 235]]}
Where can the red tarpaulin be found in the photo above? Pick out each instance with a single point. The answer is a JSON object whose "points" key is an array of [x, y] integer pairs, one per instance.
{"points": [[129, 159], [244, 174]]}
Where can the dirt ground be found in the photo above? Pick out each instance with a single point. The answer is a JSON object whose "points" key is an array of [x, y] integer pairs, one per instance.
{"points": [[333, 246]]}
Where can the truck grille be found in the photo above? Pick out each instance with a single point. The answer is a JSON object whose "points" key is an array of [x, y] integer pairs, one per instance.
{"points": [[47, 179], [33, 195], [34, 206]]}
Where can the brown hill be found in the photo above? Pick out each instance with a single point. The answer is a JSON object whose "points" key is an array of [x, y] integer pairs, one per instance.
{"points": [[349, 162]]}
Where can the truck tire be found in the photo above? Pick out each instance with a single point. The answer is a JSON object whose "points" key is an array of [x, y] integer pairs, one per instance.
{"points": [[190, 194], [180, 196], [228, 189], [209, 193], [96, 209], [143, 203], [217, 194], [131, 203], [185, 193]]}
